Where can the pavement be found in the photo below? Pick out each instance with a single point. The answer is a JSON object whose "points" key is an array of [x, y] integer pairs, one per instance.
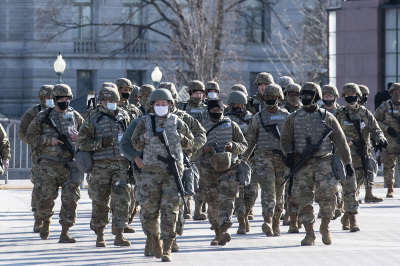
{"points": [[378, 242]]}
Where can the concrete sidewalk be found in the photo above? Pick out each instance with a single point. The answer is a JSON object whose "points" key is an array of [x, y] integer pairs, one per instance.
{"points": [[378, 242]]}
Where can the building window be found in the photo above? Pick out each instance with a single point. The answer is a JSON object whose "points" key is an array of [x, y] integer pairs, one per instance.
{"points": [[132, 15], [84, 82], [82, 15], [258, 21], [136, 76], [392, 45], [332, 46]]}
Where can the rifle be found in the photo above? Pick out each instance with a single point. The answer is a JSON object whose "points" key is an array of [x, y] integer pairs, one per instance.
{"points": [[66, 146], [170, 160], [361, 147], [308, 152]]}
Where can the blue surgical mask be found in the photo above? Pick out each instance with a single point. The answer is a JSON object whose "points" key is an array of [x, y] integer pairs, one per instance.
{"points": [[112, 106], [49, 103]]}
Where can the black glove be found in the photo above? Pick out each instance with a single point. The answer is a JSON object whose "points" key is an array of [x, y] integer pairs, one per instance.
{"points": [[107, 142], [349, 170], [392, 132], [382, 144], [290, 160]]}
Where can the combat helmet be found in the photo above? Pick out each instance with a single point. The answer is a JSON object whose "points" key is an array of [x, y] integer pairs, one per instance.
{"points": [[221, 161], [146, 89], [109, 93], [212, 85], [196, 85], [161, 95], [171, 87], [45, 91], [330, 89], [349, 88], [135, 90], [285, 81], [61, 90], [394, 86], [312, 86], [264, 78], [364, 89], [239, 87], [123, 83], [293, 87], [273, 90], [237, 97]]}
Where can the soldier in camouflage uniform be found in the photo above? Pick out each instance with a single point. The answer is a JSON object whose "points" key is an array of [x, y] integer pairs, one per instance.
{"points": [[144, 93], [218, 169], [135, 96], [239, 87], [364, 94], [330, 95], [212, 90], [159, 193], [125, 89], [388, 117], [347, 116], [310, 122], [247, 195], [198, 110], [255, 102], [4, 150], [292, 97], [100, 134], [45, 101], [269, 170], [284, 82], [56, 165], [199, 140]]}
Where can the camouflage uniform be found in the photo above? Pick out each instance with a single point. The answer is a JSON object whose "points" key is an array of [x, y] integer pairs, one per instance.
{"points": [[55, 170], [220, 186], [4, 145], [255, 103], [296, 129], [109, 178]]}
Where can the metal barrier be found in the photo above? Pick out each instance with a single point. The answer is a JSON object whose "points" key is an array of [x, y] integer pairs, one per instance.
{"points": [[20, 159]]}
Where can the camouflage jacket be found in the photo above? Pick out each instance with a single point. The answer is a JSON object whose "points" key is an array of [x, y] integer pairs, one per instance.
{"points": [[27, 119], [255, 103], [388, 115], [196, 110], [290, 108], [369, 126], [131, 109], [333, 110], [4, 145]]}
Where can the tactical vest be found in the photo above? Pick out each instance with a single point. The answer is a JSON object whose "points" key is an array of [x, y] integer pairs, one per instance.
{"points": [[243, 122], [310, 125], [155, 147], [62, 122], [267, 140], [197, 112], [394, 115], [221, 135], [113, 129]]}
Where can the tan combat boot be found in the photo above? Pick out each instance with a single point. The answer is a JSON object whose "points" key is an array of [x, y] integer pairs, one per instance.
{"points": [[187, 215], [157, 248], [242, 226], [267, 226], [216, 239], [174, 246], [369, 197], [148, 248], [120, 239], [324, 230], [224, 237], [198, 215], [37, 225], [251, 215], [345, 222], [275, 226], [293, 224], [100, 241], [45, 230], [166, 256], [127, 229], [389, 191], [310, 235], [353, 223], [246, 220], [65, 237]]}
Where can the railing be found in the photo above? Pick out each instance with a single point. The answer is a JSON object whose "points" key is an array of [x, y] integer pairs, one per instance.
{"points": [[138, 47], [82, 46], [20, 159]]}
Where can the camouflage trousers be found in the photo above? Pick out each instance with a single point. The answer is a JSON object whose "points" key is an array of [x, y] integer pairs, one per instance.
{"points": [[220, 191], [35, 175], [160, 203], [52, 176], [349, 192], [109, 182], [199, 196], [291, 201], [246, 200], [389, 164], [269, 171], [319, 171]]}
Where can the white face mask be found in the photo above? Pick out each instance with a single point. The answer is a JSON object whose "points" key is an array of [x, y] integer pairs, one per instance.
{"points": [[49, 103], [112, 106], [212, 95], [161, 110]]}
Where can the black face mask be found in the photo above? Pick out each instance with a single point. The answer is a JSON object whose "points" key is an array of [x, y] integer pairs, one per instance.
{"points": [[350, 99], [364, 99], [215, 116], [328, 103], [239, 111], [125, 95], [270, 103], [63, 105], [306, 102]]}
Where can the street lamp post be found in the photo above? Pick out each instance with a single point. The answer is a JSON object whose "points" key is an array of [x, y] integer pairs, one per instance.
{"points": [[59, 67], [156, 76]]}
